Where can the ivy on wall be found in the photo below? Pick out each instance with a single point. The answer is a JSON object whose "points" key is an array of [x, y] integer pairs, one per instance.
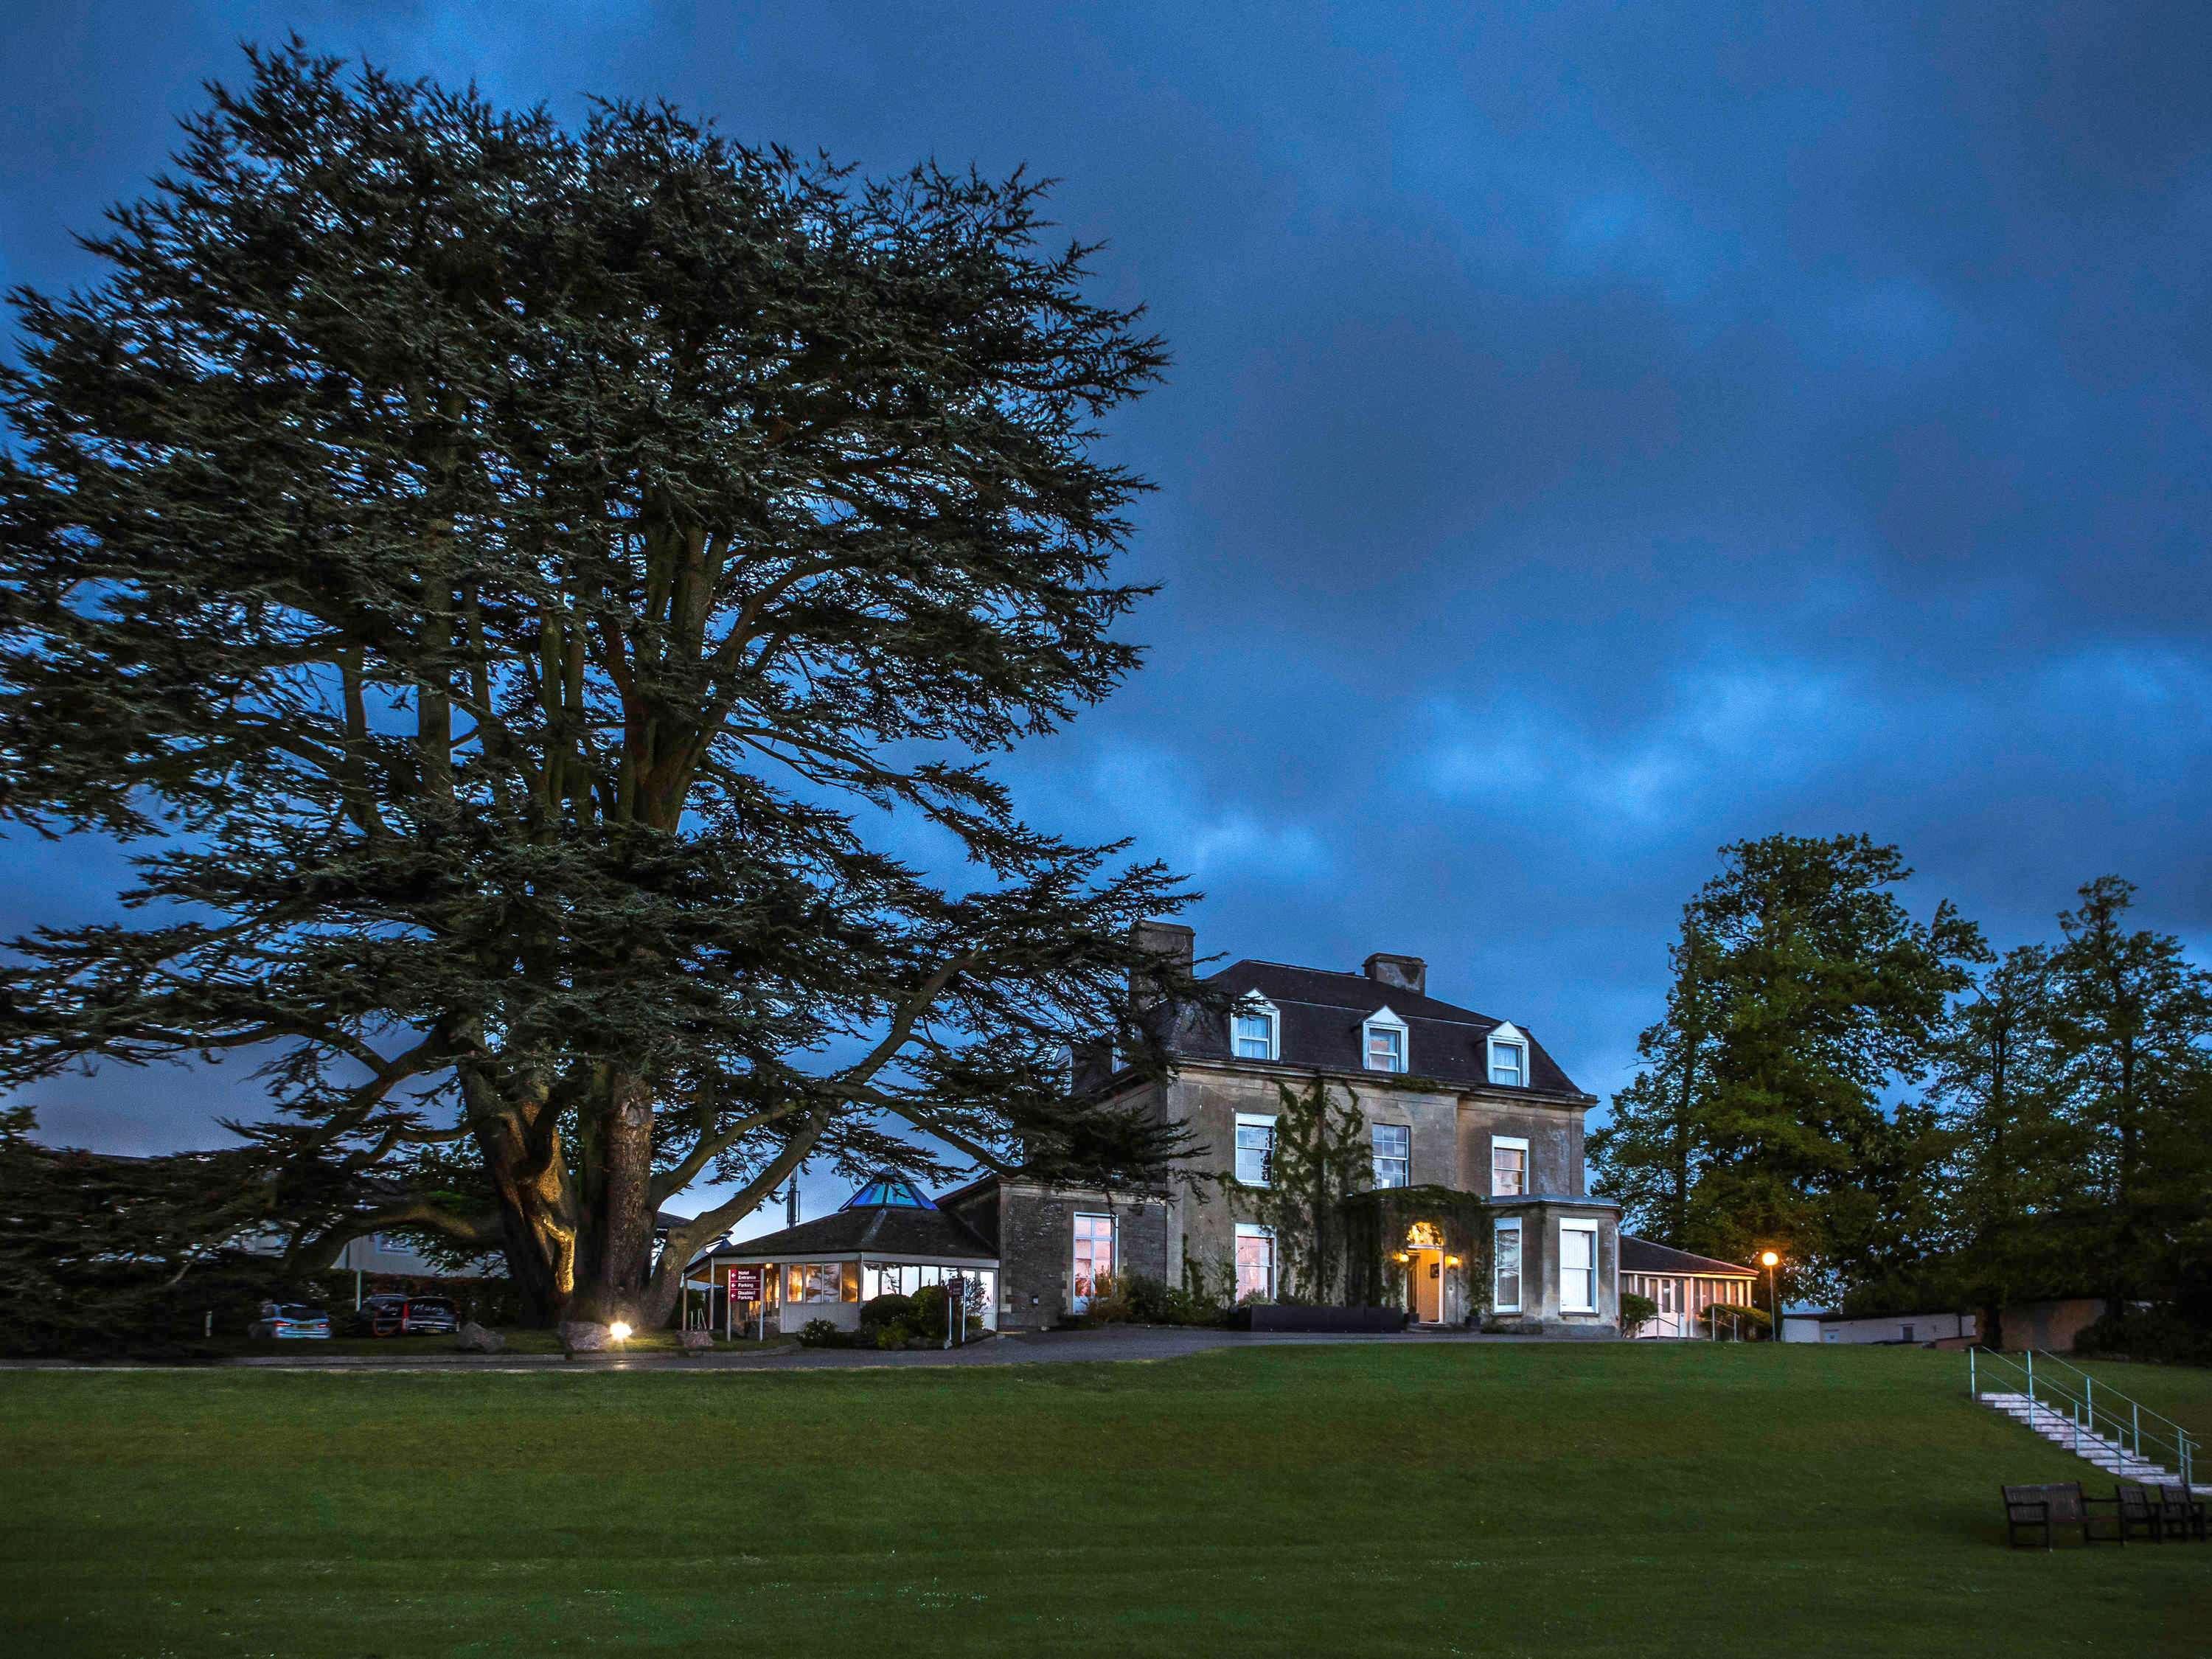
{"points": [[1377, 1224]]}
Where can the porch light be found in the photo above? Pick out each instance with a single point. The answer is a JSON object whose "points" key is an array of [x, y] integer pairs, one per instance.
{"points": [[1399, 1255], [1451, 1261]]}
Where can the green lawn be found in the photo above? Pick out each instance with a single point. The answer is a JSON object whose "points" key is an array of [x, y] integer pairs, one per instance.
{"points": [[1555, 1500]]}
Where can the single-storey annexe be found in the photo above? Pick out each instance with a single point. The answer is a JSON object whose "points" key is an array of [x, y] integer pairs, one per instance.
{"points": [[1687, 1288], [886, 1239]]}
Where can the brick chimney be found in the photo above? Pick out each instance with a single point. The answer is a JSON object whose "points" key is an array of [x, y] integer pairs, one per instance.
{"points": [[1174, 944], [1400, 973]]}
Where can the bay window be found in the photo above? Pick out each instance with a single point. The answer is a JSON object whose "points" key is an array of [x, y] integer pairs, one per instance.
{"points": [[1578, 1267], [1505, 1268]]}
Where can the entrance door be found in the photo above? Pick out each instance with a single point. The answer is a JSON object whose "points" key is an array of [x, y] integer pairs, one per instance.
{"points": [[1094, 1258], [1428, 1269]]}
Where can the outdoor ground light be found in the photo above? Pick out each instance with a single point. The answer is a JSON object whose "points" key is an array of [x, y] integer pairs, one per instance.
{"points": [[619, 1331]]}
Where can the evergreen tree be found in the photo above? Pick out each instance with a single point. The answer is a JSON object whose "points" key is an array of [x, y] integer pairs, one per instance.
{"points": [[1816, 996], [512, 582], [1995, 1084], [1649, 1153], [2131, 1027]]}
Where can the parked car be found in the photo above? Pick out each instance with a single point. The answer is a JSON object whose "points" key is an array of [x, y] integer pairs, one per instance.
{"points": [[389, 1315], [293, 1322]]}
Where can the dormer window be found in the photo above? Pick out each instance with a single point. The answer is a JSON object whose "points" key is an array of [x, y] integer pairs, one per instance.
{"points": [[1508, 1058], [1254, 1030], [1383, 1042]]}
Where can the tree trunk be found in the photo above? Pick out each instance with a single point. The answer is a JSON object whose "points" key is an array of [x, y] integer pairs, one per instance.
{"points": [[615, 1253], [521, 1151]]}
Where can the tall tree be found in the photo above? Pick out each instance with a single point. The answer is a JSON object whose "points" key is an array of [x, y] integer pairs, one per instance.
{"points": [[516, 583], [1812, 996], [1997, 1086], [2131, 1024], [1649, 1153]]}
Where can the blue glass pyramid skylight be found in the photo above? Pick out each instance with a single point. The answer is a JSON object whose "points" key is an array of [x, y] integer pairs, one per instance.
{"points": [[887, 1191]]}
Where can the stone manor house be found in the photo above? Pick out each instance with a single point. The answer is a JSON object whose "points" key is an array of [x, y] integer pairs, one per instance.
{"points": [[1458, 1105]]}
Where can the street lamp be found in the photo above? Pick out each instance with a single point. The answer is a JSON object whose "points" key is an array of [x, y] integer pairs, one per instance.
{"points": [[1770, 1260]]}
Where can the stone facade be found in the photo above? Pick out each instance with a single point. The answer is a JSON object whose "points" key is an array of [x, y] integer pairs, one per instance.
{"points": [[1455, 1117], [1037, 1254]]}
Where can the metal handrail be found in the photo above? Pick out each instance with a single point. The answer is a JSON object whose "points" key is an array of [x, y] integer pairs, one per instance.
{"points": [[2083, 1409]]}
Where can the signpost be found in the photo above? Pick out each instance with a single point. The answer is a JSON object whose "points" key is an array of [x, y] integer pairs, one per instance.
{"points": [[745, 1286]]}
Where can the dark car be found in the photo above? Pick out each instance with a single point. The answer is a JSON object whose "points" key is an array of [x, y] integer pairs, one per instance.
{"points": [[293, 1322], [391, 1315]]}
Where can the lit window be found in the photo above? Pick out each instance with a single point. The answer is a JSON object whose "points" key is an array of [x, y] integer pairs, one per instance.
{"points": [[1252, 1030], [1509, 1167], [1255, 1260], [1256, 1148], [1383, 1038], [818, 1281], [1094, 1257], [1505, 1268], [1578, 1267], [1393, 1155]]}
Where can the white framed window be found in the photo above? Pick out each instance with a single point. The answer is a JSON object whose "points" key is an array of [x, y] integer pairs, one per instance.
{"points": [[1394, 1155], [1094, 1258], [1255, 1260], [1255, 1148], [1383, 1042], [1255, 1030], [1577, 1267], [1509, 1057], [1506, 1266], [1509, 1166]]}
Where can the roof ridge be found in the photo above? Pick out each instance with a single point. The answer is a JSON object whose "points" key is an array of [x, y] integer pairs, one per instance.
{"points": [[1401, 990]]}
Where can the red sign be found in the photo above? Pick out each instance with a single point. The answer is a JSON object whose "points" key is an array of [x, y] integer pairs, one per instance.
{"points": [[745, 1283]]}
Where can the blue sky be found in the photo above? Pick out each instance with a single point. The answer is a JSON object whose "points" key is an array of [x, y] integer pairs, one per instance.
{"points": [[1596, 434]]}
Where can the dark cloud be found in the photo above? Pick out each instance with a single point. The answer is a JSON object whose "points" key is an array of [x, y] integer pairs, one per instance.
{"points": [[1597, 432]]}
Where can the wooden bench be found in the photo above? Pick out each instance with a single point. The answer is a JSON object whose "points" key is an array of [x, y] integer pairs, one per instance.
{"points": [[2047, 1508], [2139, 1513], [2180, 1512]]}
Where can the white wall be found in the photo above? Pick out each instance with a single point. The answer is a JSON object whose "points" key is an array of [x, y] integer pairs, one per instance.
{"points": [[1915, 1327]]}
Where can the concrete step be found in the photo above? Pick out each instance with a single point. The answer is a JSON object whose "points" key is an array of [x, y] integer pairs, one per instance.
{"points": [[2099, 1450]]}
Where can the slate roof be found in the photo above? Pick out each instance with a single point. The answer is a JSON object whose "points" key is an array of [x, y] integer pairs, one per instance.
{"points": [[1641, 1255], [879, 1230], [1321, 1012]]}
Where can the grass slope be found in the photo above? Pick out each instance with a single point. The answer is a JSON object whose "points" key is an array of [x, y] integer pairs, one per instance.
{"points": [[1650, 1500]]}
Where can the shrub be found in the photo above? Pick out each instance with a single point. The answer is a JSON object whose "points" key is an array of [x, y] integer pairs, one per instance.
{"points": [[1111, 1303], [1635, 1309], [821, 1334], [2154, 1332], [889, 1309], [927, 1317], [895, 1334]]}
